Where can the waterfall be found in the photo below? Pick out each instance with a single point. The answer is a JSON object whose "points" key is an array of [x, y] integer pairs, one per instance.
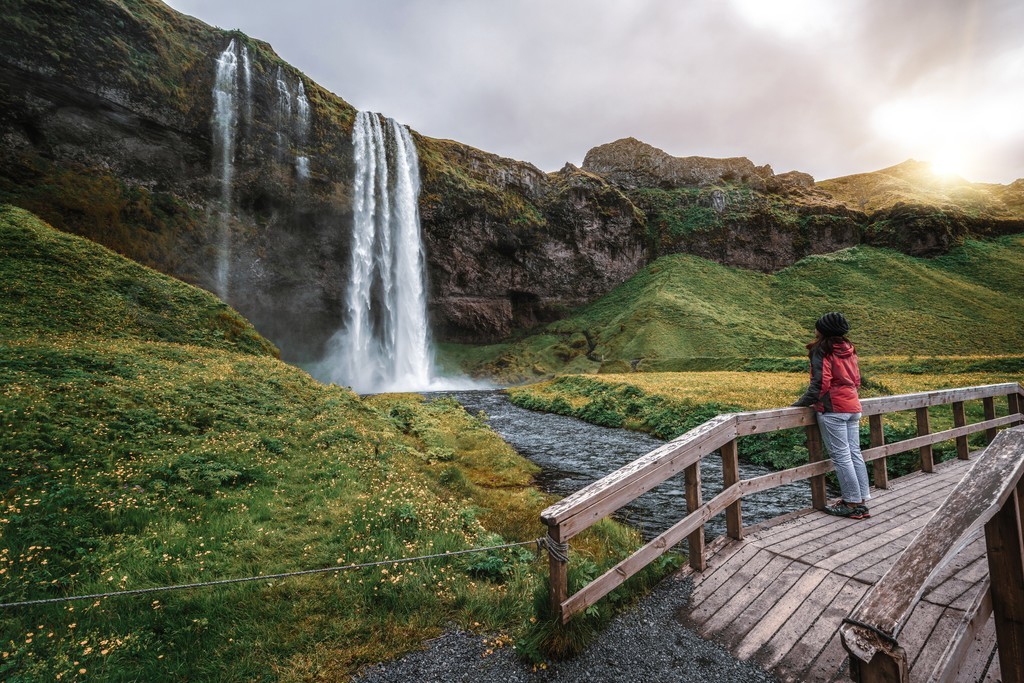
{"points": [[383, 343], [283, 113], [247, 82], [301, 131], [225, 118]]}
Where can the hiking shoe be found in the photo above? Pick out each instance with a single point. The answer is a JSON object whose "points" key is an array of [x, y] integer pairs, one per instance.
{"points": [[841, 509], [860, 512]]}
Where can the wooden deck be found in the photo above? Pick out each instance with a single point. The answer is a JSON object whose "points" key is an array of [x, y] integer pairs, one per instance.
{"points": [[778, 596]]}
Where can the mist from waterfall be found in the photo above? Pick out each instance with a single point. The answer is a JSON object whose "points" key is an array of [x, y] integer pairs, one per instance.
{"points": [[224, 125], [383, 343]]}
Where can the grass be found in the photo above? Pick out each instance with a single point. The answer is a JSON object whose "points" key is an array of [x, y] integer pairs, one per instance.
{"points": [[153, 447], [683, 312]]}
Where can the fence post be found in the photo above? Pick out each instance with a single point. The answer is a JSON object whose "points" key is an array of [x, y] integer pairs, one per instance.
{"points": [[694, 500], [1013, 404], [878, 439], [923, 428], [887, 666], [990, 414], [1006, 569], [815, 454], [731, 475], [558, 589], [960, 420]]}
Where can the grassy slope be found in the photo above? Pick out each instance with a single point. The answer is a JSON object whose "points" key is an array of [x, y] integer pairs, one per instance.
{"points": [[682, 308], [914, 183], [165, 443]]}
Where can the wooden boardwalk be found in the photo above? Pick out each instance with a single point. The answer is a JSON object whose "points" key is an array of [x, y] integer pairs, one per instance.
{"points": [[778, 596]]}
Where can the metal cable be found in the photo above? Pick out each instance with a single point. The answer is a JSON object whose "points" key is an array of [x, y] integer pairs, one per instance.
{"points": [[874, 629], [263, 577]]}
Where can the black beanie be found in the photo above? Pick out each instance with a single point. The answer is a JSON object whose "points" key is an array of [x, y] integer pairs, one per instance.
{"points": [[832, 325]]}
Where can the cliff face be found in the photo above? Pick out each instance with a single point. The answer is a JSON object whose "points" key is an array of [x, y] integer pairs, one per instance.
{"points": [[107, 129]]}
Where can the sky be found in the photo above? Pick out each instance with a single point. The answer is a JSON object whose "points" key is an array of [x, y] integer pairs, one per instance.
{"points": [[827, 87]]}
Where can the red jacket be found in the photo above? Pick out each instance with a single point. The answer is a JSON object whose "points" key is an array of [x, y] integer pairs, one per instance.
{"points": [[834, 381]]}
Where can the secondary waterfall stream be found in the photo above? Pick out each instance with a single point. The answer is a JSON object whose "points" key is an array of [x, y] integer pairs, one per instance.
{"points": [[225, 125], [573, 453]]}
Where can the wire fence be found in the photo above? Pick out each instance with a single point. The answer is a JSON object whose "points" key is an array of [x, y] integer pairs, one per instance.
{"points": [[540, 543]]}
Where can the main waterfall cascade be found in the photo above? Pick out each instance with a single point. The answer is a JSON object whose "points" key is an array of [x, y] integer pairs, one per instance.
{"points": [[383, 343]]}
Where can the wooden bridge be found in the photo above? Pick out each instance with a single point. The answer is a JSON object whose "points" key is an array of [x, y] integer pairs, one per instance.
{"points": [[922, 590]]}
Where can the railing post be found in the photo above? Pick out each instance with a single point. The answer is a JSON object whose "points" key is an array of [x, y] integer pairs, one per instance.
{"points": [[1013, 404], [880, 466], [731, 475], [960, 420], [558, 589], [815, 453], [887, 666], [923, 427], [990, 414], [1006, 569], [694, 500]]}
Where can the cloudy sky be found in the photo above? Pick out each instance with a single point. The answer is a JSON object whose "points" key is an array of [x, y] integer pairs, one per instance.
{"points": [[829, 87]]}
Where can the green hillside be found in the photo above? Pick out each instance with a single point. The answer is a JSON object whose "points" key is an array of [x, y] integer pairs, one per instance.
{"points": [[684, 312], [150, 437]]}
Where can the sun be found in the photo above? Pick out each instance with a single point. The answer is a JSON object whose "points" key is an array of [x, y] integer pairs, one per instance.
{"points": [[948, 163]]}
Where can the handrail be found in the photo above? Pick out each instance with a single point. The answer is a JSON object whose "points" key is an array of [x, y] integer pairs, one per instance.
{"points": [[992, 489], [585, 507]]}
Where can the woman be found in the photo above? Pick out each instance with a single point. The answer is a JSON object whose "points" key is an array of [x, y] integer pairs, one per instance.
{"points": [[835, 378]]}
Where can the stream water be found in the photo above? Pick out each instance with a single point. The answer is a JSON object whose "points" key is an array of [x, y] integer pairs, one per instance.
{"points": [[573, 453]]}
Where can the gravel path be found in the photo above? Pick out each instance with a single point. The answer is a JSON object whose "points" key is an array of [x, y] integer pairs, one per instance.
{"points": [[646, 643]]}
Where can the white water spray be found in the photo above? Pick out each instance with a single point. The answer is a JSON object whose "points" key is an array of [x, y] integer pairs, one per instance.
{"points": [[247, 83], [225, 118], [301, 131], [383, 343]]}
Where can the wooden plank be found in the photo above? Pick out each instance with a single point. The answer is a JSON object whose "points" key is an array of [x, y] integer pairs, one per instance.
{"points": [[880, 466], [935, 437], [694, 500], [892, 404], [923, 429], [1005, 543], [803, 662], [974, 501], [814, 470], [960, 420], [763, 421], [658, 546], [596, 501], [815, 453], [730, 476], [757, 627], [706, 592], [924, 623], [979, 655], [990, 414], [938, 637], [956, 654], [789, 634], [750, 592], [1014, 404]]}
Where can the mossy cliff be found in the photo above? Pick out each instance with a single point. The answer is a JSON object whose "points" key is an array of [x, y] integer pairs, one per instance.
{"points": [[106, 130]]}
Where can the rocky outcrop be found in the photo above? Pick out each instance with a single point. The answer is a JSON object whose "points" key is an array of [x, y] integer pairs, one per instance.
{"points": [[510, 246], [630, 163]]}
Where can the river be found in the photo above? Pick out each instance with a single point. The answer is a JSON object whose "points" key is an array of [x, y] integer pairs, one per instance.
{"points": [[573, 453]]}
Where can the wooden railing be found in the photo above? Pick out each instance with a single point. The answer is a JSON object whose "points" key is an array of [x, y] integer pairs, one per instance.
{"points": [[990, 496], [589, 505]]}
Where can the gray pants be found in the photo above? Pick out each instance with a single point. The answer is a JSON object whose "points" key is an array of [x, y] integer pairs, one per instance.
{"points": [[841, 432]]}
